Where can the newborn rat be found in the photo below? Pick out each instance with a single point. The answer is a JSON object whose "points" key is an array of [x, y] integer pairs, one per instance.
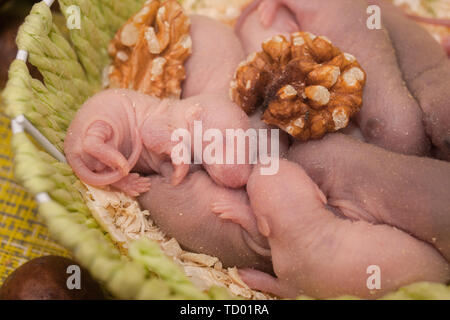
{"points": [[317, 253], [202, 217], [104, 142], [210, 111]]}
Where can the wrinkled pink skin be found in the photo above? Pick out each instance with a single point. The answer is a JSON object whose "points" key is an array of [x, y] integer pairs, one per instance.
{"points": [[220, 222], [317, 253], [212, 77], [397, 119], [215, 111], [103, 142]]}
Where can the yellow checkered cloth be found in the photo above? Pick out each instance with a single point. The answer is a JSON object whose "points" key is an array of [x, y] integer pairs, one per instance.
{"points": [[23, 236]]}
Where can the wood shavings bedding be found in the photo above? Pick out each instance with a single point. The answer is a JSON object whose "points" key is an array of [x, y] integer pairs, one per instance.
{"points": [[224, 10], [427, 8], [123, 219]]}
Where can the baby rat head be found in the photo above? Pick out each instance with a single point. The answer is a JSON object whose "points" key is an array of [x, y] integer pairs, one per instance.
{"points": [[277, 217]]}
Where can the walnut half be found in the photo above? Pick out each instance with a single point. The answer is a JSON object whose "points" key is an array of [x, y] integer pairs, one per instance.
{"points": [[148, 52], [307, 86]]}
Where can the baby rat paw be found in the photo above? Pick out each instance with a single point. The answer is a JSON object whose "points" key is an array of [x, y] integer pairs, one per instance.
{"points": [[258, 280], [133, 184], [228, 210], [238, 213]]}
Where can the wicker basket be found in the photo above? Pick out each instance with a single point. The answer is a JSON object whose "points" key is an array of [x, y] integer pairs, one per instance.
{"points": [[72, 69]]}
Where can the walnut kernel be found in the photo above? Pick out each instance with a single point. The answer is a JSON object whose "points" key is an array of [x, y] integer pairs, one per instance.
{"points": [[149, 50], [307, 86]]}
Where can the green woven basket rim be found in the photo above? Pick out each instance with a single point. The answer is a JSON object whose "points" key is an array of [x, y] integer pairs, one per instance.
{"points": [[70, 76]]}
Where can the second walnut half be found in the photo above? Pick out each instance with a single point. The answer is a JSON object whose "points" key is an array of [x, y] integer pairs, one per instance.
{"points": [[306, 86]]}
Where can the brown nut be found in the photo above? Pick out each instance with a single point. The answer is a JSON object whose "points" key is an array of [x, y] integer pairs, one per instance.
{"points": [[307, 86], [252, 76], [148, 52], [47, 278]]}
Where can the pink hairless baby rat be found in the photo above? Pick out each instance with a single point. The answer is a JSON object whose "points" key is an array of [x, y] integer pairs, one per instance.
{"points": [[207, 218], [106, 130], [211, 111], [103, 142], [105, 139], [369, 183], [320, 254]]}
